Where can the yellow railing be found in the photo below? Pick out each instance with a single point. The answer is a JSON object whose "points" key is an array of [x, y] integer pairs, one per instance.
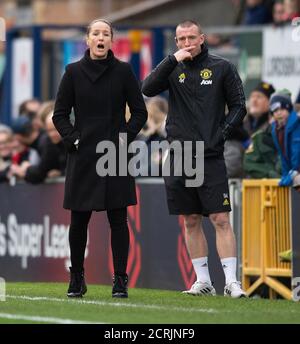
{"points": [[266, 233]]}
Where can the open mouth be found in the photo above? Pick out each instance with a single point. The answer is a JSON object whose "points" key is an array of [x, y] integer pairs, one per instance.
{"points": [[100, 46]]}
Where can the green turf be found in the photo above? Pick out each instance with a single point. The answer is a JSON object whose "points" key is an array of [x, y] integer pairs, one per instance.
{"points": [[145, 306]]}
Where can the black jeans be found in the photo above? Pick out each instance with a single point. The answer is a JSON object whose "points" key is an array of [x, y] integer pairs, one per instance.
{"points": [[119, 238]]}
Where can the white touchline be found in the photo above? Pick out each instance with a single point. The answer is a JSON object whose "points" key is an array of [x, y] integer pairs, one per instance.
{"points": [[44, 319], [114, 304]]}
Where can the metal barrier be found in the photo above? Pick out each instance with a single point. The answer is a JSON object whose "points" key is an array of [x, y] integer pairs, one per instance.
{"points": [[266, 228]]}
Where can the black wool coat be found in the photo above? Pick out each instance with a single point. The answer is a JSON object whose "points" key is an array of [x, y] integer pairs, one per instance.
{"points": [[98, 91]]}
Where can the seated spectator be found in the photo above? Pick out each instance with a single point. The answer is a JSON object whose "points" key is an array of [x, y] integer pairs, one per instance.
{"points": [[44, 110], [258, 114], [278, 13], [154, 130], [22, 153], [286, 136], [214, 40], [261, 159], [5, 152], [291, 9], [297, 102], [28, 135], [53, 158], [158, 108], [234, 152], [29, 108], [257, 13], [21, 156]]}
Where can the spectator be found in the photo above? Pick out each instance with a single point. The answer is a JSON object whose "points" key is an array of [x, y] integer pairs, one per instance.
{"points": [[21, 156], [257, 13], [258, 114], [261, 159], [28, 135], [278, 12], [157, 108], [234, 152], [297, 102], [29, 108], [154, 130], [53, 159], [291, 8], [286, 136], [5, 152], [44, 110]]}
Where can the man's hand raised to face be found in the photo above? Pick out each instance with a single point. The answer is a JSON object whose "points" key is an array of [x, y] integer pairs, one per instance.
{"points": [[184, 54]]}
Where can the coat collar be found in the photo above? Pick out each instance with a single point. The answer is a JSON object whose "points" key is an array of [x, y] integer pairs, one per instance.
{"points": [[198, 58], [95, 68]]}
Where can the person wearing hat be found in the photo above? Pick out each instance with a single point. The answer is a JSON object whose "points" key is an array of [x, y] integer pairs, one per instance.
{"points": [[258, 108], [25, 132], [286, 136], [261, 158], [52, 162]]}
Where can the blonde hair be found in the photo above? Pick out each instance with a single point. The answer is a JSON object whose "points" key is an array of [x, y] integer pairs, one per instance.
{"points": [[45, 109]]}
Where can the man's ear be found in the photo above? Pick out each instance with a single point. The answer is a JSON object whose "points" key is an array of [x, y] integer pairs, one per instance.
{"points": [[176, 41], [202, 38]]}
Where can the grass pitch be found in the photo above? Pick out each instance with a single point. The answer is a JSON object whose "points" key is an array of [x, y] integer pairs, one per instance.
{"points": [[42, 303]]}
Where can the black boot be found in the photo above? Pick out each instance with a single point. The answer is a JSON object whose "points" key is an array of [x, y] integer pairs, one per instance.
{"points": [[120, 286], [77, 286]]}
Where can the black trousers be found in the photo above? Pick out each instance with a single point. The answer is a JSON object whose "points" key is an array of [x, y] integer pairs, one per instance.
{"points": [[119, 238]]}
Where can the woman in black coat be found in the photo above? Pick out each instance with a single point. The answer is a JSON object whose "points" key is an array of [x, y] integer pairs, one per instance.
{"points": [[97, 87]]}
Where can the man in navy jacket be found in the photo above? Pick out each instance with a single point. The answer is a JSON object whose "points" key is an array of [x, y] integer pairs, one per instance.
{"points": [[200, 86]]}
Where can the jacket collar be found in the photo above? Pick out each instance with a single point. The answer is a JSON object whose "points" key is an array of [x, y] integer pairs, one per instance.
{"points": [[95, 68], [198, 58], [292, 121], [259, 122]]}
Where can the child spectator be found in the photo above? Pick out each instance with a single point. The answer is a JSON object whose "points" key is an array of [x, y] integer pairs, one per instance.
{"points": [[286, 136]]}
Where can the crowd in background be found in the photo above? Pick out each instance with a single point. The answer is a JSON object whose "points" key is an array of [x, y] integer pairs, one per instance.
{"points": [[259, 12], [265, 145], [31, 149], [277, 13]]}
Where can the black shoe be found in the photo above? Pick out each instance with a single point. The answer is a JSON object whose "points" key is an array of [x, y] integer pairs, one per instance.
{"points": [[120, 286], [77, 286]]}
